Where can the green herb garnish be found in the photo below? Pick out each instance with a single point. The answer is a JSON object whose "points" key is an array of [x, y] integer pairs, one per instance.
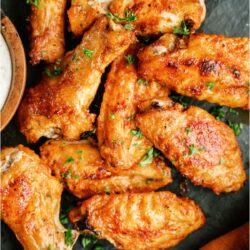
{"points": [[188, 130], [99, 248], [130, 59], [68, 237], [142, 82], [183, 30], [221, 161], [117, 141], [79, 151], [193, 150], [218, 113], [129, 16], [112, 116], [137, 133], [54, 73], [43, 53], [129, 26], [210, 85], [88, 134], [236, 127], [70, 159], [88, 53], [148, 158], [33, 2], [87, 240]]}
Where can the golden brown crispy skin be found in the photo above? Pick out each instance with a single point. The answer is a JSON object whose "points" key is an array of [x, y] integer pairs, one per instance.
{"points": [[83, 13], [47, 31], [78, 165], [161, 16], [58, 107], [147, 221], [121, 145], [30, 200], [201, 147], [207, 67]]}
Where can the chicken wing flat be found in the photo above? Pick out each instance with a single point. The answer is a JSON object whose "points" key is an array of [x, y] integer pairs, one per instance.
{"points": [[161, 16], [83, 13], [147, 221], [201, 147], [79, 166], [47, 31], [58, 106], [121, 143], [30, 201], [213, 68]]}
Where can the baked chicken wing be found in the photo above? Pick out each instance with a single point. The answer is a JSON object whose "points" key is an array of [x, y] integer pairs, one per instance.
{"points": [[58, 106], [83, 13], [78, 165], [121, 144], [30, 201], [47, 31], [201, 147], [154, 221], [213, 68], [161, 16]]}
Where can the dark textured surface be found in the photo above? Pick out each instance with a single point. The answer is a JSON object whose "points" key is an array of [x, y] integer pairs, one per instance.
{"points": [[224, 212]]}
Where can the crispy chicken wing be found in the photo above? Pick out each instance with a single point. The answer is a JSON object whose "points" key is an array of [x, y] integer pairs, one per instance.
{"points": [[47, 31], [30, 201], [152, 16], [161, 16], [207, 67], [83, 13], [201, 147], [58, 107], [80, 167], [147, 221], [121, 143]]}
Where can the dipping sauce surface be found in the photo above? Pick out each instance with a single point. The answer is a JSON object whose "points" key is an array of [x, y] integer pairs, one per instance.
{"points": [[5, 71]]}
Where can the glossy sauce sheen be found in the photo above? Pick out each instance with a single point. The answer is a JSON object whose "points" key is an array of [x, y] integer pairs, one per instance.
{"points": [[5, 71]]}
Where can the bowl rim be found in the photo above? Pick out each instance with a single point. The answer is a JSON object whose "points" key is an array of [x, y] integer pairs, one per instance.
{"points": [[19, 70]]}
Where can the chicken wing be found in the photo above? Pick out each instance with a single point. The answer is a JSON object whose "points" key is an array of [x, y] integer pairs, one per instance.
{"points": [[83, 13], [58, 106], [47, 31], [207, 67], [147, 17], [30, 201], [79, 166], [121, 143], [201, 147], [154, 221], [161, 16]]}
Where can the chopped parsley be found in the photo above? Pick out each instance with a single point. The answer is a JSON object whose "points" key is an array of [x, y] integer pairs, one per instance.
{"points": [[69, 175], [193, 150], [87, 52], [64, 216], [58, 61], [129, 16], [188, 130], [33, 2], [135, 145], [218, 113], [112, 116], [68, 237], [117, 141], [51, 248], [43, 53], [233, 111], [236, 127], [142, 82], [149, 181], [183, 100], [221, 161], [137, 133], [183, 30], [70, 159], [130, 59], [79, 151], [129, 26], [210, 85], [88, 134], [99, 248], [54, 73], [148, 158]]}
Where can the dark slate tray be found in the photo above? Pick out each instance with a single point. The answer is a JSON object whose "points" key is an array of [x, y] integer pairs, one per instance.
{"points": [[224, 212]]}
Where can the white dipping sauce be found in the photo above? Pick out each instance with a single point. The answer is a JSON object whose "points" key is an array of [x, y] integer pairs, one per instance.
{"points": [[5, 71]]}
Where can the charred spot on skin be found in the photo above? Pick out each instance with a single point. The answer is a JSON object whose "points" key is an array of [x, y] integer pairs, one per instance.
{"points": [[207, 66], [188, 62], [236, 73], [189, 23], [172, 64], [155, 104]]}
